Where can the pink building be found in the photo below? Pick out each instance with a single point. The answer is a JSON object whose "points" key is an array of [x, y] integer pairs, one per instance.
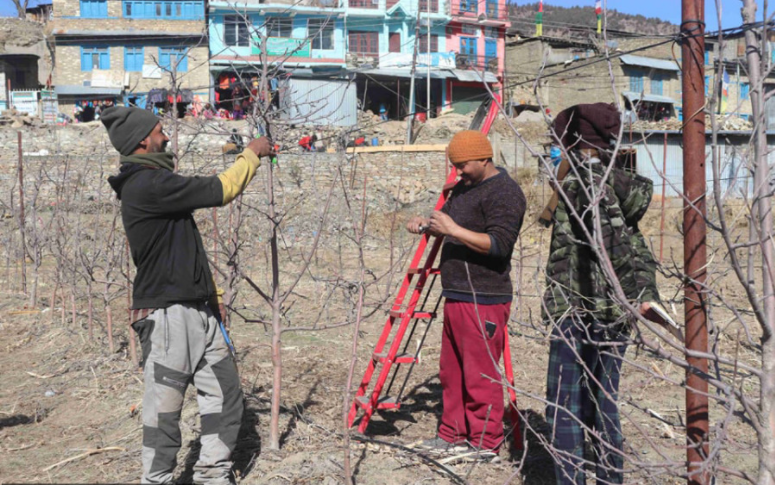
{"points": [[477, 34]]}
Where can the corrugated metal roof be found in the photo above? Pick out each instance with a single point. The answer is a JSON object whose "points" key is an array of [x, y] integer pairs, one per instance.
{"points": [[86, 91], [126, 33], [321, 102], [661, 64], [406, 73], [474, 76], [651, 98]]}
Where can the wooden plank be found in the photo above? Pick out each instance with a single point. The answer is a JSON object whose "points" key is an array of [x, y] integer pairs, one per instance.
{"points": [[398, 148]]}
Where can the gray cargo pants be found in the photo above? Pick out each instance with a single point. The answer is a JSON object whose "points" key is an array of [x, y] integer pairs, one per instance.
{"points": [[183, 344]]}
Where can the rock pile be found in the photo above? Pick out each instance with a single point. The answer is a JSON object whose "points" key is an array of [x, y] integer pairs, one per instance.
{"points": [[732, 123], [17, 119]]}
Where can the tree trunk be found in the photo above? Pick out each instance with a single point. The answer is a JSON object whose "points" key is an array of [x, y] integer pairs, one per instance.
{"points": [[762, 220], [90, 317], [274, 427], [109, 317]]}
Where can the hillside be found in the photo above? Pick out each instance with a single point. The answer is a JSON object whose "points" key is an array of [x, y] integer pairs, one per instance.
{"points": [[567, 21]]}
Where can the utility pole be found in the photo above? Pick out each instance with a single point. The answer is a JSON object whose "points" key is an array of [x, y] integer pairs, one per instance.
{"points": [[695, 257], [410, 121]]}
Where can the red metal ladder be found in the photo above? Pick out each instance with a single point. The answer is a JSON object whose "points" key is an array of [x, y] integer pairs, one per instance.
{"points": [[400, 318]]}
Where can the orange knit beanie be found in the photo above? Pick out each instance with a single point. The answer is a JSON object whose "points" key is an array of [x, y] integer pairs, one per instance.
{"points": [[469, 145]]}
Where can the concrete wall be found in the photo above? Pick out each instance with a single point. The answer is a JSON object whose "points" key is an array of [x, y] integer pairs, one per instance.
{"points": [[197, 77], [454, 32], [258, 21]]}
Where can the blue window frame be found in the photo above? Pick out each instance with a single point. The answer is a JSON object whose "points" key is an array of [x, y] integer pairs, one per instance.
{"points": [[707, 58], [679, 112], [132, 100], [94, 8], [468, 46], [636, 83], [745, 91], [133, 59], [95, 57], [170, 56], [656, 84], [492, 8], [490, 50], [165, 9], [468, 5], [707, 85]]}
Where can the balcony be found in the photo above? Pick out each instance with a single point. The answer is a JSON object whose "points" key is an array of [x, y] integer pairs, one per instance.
{"points": [[473, 10], [434, 6], [370, 4], [477, 63]]}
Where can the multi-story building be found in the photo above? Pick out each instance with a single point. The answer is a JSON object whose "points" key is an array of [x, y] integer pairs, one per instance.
{"points": [[381, 50], [301, 44], [117, 51], [318, 46], [476, 34]]}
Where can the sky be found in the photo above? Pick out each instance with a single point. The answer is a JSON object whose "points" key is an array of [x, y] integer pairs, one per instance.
{"points": [[669, 10], [8, 9]]}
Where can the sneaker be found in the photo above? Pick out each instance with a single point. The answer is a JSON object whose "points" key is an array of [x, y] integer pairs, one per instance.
{"points": [[440, 445]]}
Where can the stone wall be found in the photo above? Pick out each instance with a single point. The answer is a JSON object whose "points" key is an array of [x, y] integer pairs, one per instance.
{"points": [[67, 17], [569, 85], [395, 180]]}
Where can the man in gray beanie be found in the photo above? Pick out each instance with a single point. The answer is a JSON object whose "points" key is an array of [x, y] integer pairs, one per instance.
{"points": [[174, 310]]}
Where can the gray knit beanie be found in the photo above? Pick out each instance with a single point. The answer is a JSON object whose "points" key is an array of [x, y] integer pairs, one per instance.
{"points": [[127, 127]]}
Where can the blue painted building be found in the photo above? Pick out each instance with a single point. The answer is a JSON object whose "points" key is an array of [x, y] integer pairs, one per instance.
{"points": [[381, 44], [366, 44], [302, 46]]}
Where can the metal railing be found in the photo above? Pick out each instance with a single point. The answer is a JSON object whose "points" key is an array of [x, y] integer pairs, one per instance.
{"points": [[491, 10], [468, 61], [434, 4], [373, 4]]}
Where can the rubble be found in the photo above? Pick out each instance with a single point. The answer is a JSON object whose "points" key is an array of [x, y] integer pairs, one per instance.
{"points": [[18, 120], [731, 123], [528, 116]]}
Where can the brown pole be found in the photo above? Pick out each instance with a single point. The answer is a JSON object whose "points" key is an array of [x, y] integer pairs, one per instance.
{"points": [[693, 86]]}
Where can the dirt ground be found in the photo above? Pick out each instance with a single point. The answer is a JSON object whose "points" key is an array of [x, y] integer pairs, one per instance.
{"points": [[70, 409]]}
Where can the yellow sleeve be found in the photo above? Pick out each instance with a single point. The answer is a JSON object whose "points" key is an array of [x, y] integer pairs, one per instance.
{"points": [[237, 177]]}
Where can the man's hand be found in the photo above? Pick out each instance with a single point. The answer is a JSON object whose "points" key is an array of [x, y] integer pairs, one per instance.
{"points": [[417, 224], [262, 147], [441, 223]]}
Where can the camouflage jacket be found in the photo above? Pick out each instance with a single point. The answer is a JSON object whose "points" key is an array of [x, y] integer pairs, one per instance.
{"points": [[576, 283]]}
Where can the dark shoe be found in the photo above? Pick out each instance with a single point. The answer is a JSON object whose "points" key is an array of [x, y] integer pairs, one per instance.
{"points": [[439, 445]]}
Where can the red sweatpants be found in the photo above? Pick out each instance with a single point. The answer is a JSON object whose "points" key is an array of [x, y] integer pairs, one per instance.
{"points": [[465, 361]]}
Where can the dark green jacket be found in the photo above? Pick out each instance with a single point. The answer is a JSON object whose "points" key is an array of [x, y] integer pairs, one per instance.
{"points": [[575, 281]]}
